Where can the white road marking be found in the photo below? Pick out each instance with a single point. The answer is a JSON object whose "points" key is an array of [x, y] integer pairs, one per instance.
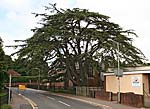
{"points": [[93, 103], [64, 103], [32, 103], [51, 98]]}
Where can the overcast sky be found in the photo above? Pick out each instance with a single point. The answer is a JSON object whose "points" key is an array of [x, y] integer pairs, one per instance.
{"points": [[16, 19]]}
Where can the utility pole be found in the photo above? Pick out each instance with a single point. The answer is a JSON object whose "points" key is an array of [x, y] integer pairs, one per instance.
{"points": [[118, 71]]}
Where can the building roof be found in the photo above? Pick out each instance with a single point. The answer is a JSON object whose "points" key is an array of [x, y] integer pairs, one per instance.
{"points": [[13, 73], [131, 72]]}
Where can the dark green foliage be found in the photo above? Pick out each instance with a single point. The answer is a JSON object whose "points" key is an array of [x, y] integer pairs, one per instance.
{"points": [[27, 67], [77, 42]]}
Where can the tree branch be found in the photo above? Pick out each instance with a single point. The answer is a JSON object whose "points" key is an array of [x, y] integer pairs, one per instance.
{"points": [[73, 48]]}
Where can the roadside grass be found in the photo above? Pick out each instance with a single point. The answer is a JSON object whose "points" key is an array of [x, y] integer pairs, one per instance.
{"points": [[5, 106]]}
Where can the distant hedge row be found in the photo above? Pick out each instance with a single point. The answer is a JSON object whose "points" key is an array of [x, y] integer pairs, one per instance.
{"points": [[26, 79]]}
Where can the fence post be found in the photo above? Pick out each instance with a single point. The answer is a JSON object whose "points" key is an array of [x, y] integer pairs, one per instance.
{"points": [[143, 99], [76, 90], [110, 96]]}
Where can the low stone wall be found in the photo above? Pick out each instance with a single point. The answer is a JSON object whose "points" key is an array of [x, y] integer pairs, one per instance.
{"points": [[132, 99]]}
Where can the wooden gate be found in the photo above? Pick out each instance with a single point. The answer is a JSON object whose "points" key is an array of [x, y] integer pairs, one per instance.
{"points": [[146, 99]]}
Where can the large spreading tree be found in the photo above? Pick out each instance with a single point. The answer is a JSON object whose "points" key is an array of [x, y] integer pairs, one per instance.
{"points": [[78, 42]]}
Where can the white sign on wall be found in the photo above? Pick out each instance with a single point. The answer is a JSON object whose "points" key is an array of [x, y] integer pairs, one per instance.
{"points": [[136, 81]]}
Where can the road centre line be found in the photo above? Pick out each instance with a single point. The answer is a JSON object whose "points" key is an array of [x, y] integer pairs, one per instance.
{"points": [[64, 103], [51, 98], [59, 101]]}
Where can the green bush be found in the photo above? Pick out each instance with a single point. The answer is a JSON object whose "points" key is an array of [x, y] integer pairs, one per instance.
{"points": [[5, 106]]}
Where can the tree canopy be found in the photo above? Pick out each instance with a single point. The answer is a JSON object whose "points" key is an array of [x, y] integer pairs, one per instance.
{"points": [[77, 42]]}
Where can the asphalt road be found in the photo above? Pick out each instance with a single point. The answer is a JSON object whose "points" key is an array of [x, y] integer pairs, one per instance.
{"points": [[49, 101]]}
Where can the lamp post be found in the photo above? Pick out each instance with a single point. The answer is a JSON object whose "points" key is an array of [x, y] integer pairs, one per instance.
{"points": [[11, 74], [39, 80]]}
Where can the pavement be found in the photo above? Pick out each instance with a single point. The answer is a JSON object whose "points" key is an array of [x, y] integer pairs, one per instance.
{"points": [[19, 102]]}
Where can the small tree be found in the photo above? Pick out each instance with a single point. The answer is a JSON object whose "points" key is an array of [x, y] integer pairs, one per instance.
{"points": [[2, 71], [6, 63]]}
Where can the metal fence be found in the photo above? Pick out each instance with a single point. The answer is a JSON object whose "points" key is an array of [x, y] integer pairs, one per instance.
{"points": [[4, 97], [87, 91], [69, 90]]}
